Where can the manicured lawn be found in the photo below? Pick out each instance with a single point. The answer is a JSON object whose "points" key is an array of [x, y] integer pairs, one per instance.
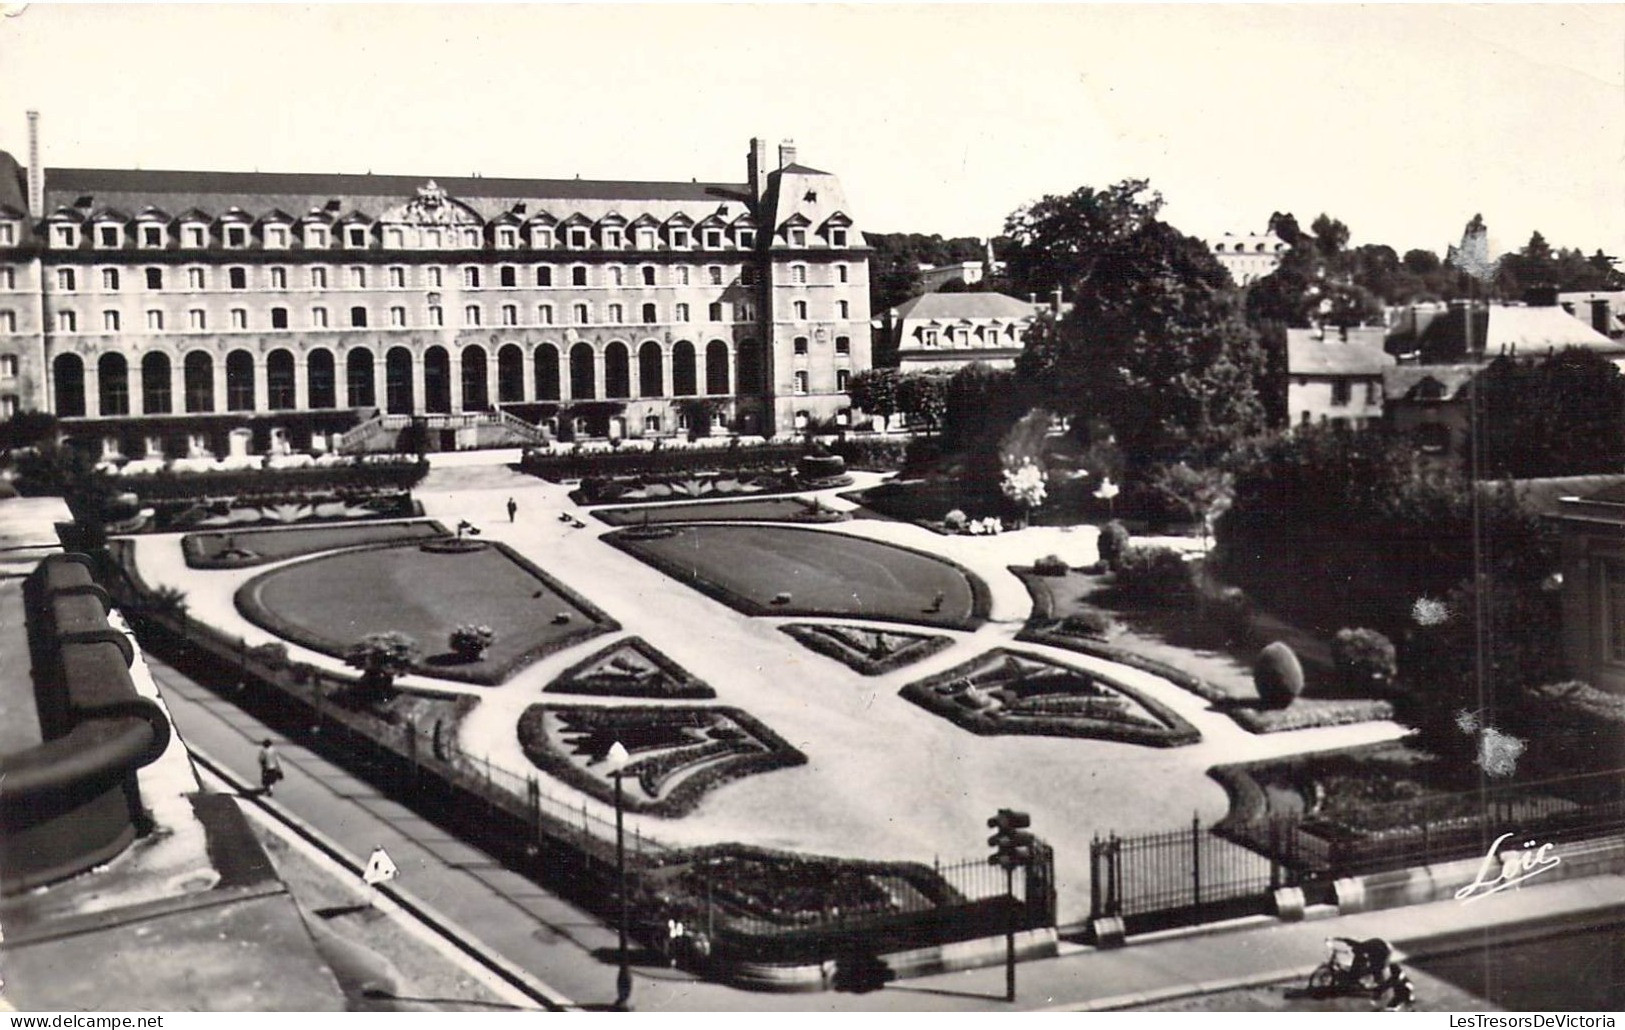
{"points": [[823, 573], [328, 603], [762, 509], [203, 550]]}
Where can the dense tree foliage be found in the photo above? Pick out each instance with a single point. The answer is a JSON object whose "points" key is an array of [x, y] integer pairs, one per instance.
{"points": [[1563, 415], [894, 265]]}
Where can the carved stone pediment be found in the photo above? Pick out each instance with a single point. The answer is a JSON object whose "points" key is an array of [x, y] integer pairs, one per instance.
{"points": [[431, 206]]}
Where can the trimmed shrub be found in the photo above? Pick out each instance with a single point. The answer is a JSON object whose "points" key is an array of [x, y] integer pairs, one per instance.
{"points": [[1572, 727], [1113, 542], [1051, 565], [1278, 675], [1364, 659], [1157, 575], [469, 641], [955, 521], [1089, 622]]}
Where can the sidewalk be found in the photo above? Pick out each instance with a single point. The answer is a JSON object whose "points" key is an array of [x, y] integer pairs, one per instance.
{"points": [[574, 953]]}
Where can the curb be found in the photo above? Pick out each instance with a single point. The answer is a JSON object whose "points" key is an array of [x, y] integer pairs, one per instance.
{"points": [[447, 928]]}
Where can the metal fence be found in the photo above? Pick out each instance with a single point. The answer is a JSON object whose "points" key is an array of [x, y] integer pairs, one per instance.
{"points": [[1182, 876]]}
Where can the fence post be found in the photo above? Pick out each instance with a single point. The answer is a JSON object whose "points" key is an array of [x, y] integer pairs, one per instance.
{"points": [[533, 791], [1094, 877], [1275, 857], [1196, 861]]}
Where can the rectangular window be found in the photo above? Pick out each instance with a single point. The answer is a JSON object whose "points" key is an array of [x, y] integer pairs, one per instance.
{"points": [[196, 319], [843, 345], [801, 381], [713, 275], [152, 236], [544, 314], [578, 239], [316, 236], [801, 345], [747, 237], [276, 237], [239, 318], [397, 278], [578, 276], [581, 314], [437, 315], [798, 273], [318, 278], [798, 237], [840, 273], [471, 277], [1373, 394], [194, 279], [236, 236], [541, 239], [713, 239], [358, 317], [237, 278], [8, 323], [110, 280], [837, 237], [544, 276], [8, 406], [194, 235], [681, 313], [744, 312], [715, 311], [801, 310], [397, 316], [679, 239], [434, 276], [616, 276], [8, 277], [8, 234], [8, 366], [279, 318], [358, 236], [109, 321], [471, 315], [155, 321], [358, 277], [843, 309], [318, 318], [510, 314], [508, 276], [681, 272], [395, 238], [66, 280], [615, 314], [1340, 392], [843, 376], [612, 239], [279, 278], [507, 238]]}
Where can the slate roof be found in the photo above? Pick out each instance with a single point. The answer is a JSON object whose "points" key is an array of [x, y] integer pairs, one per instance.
{"points": [[1530, 331], [1309, 357], [1402, 381], [954, 306]]}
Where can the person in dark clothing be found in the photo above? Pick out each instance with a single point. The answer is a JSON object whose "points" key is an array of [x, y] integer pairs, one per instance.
{"points": [[513, 508], [1369, 958], [270, 767], [1401, 992]]}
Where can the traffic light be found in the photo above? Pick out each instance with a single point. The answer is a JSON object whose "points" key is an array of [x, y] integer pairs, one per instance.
{"points": [[1012, 844]]}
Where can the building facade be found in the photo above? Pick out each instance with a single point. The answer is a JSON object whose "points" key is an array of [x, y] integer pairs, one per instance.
{"points": [[944, 332], [1248, 258], [158, 310], [1335, 375]]}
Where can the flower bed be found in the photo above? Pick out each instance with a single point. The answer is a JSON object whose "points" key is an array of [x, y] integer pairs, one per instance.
{"points": [[630, 668], [648, 489], [679, 753], [260, 546], [868, 651], [1004, 692], [765, 509], [360, 477], [797, 890], [400, 587]]}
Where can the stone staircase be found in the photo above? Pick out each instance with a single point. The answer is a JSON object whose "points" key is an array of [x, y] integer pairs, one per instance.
{"points": [[495, 428]]}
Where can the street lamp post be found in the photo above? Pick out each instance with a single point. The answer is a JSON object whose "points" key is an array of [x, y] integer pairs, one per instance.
{"points": [[617, 757]]}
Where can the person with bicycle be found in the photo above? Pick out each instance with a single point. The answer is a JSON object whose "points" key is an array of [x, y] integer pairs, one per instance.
{"points": [[1365, 958]]}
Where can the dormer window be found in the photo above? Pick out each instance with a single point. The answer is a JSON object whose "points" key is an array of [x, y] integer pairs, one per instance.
{"points": [[578, 239], [236, 236], [195, 236], [541, 237], [109, 236], [152, 236], [276, 237], [356, 236], [679, 239], [798, 237], [8, 234], [747, 237], [316, 236], [64, 235], [646, 239], [507, 237], [713, 239], [837, 237], [471, 237], [612, 239]]}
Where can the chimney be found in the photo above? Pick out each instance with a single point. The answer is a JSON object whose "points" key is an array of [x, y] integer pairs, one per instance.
{"points": [[756, 167], [1600, 316], [787, 153], [1057, 302], [36, 172]]}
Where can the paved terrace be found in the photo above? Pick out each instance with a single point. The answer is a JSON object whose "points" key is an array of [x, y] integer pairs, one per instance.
{"points": [[885, 778]]}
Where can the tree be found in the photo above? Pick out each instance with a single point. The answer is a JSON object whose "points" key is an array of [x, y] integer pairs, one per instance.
{"points": [[381, 657], [874, 390], [923, 398], [1154, 346], [1331, 235], [1563, 415], [1202, 493], [1285, 225], [1059, 240]]}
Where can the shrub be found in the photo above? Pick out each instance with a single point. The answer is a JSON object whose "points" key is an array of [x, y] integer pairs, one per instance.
{"points": [[1089, 622], [273, 655], [1113, 542], [1051, 565], [382, 656], [1153, 574], [1277, 675], [1229, 613], [955, 521], [1572, 727], [1364, 659], [469, 641]]}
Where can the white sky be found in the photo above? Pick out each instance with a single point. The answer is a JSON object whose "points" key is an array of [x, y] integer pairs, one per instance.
{"points": [[1401, 120]]}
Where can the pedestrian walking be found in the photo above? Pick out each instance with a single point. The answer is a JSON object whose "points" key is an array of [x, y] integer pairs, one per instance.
{"points": [[513, 508], [270, 767], [380, 869]]}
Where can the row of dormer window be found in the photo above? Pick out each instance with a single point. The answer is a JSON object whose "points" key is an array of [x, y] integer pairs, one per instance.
{"points": [[988, 335], [580, 313], [66, 233], [395, 277]]}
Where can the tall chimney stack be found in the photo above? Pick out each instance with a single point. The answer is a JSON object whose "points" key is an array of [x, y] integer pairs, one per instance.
{"points": [[787, 153], [36, 172], [756, 166]]}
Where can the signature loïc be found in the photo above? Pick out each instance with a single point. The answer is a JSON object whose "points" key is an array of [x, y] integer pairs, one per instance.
{"points": [[1516, 867]]}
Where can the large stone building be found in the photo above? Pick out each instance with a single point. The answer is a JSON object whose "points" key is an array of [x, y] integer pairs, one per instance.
{"points": [[1335, 375], [944, 332], [1251, 257], [171, 312]]}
